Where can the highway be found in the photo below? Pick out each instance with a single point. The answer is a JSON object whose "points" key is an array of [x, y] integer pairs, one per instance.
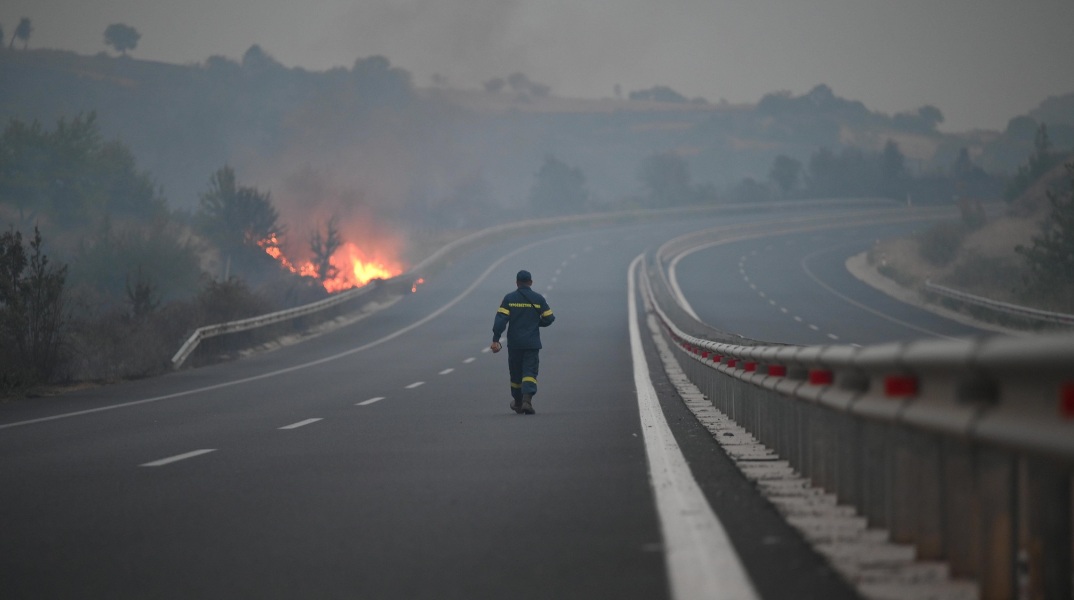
{"points": [[380, 460]]}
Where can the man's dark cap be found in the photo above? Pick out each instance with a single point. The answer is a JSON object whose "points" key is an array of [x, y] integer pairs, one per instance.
{"points": [[523, 275]]}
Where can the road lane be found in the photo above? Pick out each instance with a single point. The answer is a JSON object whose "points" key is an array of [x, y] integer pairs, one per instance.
{"points": [[795, 288], [432, 491]]}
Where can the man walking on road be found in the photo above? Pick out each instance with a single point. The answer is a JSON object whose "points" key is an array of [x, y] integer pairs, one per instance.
{"points": [[522, 313]]}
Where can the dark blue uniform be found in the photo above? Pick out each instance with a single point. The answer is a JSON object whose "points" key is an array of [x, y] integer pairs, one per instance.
{"points": [[522, 313]]}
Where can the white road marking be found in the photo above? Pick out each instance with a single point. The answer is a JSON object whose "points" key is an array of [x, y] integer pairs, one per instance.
{"points": [[700, 560], [416, 384], [370, 401], [833, 336], [814, 327], [784, 310], [469, 360], [799, 319], [485, 350], [805, 267], [301, 423], [446, 371], [772, 302], [177, 458], [753, 286]]}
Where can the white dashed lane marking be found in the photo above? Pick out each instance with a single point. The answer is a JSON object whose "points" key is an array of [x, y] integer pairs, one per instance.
{"points": [[370, 401], [301, 423], [772, 302], [177, 458], [469, 360], [416, 384], [446, 371]]}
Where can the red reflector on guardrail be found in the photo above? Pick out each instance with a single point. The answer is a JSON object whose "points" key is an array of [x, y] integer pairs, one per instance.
{"points": [[750, 367], [716, 358], [777, 370], [1066, 401], [821, 377], [900, 385], [731, 362], [705, 354]]}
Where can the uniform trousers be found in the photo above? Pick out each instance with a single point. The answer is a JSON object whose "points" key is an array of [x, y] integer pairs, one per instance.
{"points": [[523, 364]]}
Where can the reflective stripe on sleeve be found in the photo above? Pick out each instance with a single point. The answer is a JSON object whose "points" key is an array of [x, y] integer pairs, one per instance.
{"points": [[546, 313], [504, 311], [530, 379]]}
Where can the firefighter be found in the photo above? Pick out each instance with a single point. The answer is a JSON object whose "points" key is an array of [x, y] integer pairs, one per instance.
{"points": [[522, 313]]}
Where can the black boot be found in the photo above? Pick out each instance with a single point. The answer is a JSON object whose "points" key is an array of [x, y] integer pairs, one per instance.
{"points": [[527, 404]]}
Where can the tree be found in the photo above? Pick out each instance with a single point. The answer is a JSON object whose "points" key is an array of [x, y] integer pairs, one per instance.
{"points": [[1042, 160], [32, 315], [71, 175], [238, 218], [1051, 257], [893, 169], [660, 93], [559, 188], [785, 173], [121, 37], [666, 178], [323, 247], [22, 32]]}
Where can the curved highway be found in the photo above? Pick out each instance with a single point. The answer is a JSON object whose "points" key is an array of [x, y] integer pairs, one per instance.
{"points": [[795, 288], [381, 460]]}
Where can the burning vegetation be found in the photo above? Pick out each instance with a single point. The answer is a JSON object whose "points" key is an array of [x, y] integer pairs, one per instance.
{"points": [[346, 266]]}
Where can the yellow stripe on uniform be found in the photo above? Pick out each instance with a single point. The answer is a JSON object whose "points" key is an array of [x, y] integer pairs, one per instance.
{"points": [[531, 379], [546, 313], [504, 311], [516, 385]]}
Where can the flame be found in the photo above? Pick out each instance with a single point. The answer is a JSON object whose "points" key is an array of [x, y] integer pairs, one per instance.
{"points": [[353, 267]]}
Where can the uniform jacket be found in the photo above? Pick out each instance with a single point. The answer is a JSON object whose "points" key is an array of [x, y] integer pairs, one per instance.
{"points": [[522, 313]]}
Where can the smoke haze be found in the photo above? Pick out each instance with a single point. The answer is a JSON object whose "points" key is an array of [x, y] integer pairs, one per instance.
{"points": [[979, 62]]}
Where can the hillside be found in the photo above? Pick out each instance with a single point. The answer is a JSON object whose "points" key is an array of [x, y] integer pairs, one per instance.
{"points": [[368, 132], [983, 261]]}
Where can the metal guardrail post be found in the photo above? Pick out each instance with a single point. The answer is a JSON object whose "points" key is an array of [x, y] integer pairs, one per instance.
{"points": [[1047, 532], [997, 478], [962, 517]]}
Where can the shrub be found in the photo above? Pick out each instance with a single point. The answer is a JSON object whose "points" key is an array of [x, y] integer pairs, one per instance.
{"points": [[940, 243], [32, 315]]}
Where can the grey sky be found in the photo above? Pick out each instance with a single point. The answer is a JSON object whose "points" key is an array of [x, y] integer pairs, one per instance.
{"points": [[980, 62]]}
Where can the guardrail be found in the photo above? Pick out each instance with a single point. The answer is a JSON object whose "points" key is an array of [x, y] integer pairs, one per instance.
{"points": [[442, 256], [273, 318], [1004, 308], [962, 448]]}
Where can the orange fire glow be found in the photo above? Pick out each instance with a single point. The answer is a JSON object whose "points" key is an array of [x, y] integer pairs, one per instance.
{"points": [[354, 268]]}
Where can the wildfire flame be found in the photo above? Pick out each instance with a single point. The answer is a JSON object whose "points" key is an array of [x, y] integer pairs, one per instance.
{"points": [[353, 268]]}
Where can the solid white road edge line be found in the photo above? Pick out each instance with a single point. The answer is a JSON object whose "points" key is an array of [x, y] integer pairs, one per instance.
{"points": [[370, 401], [177, 458], [301, 423], [700, 560]]}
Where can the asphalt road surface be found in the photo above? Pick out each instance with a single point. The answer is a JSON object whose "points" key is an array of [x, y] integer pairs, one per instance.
{"points": [[381, 460]]}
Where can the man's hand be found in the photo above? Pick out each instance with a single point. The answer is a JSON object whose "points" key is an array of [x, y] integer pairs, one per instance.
{"points": [[495, 347]]}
